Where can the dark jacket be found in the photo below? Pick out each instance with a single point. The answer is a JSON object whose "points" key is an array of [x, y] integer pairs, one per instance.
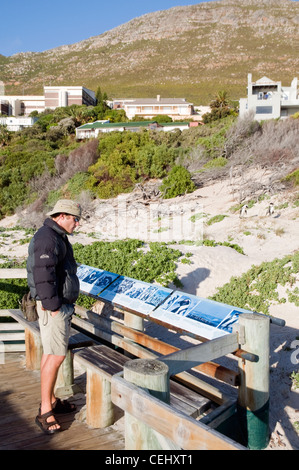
{"points": [[51, 267]]}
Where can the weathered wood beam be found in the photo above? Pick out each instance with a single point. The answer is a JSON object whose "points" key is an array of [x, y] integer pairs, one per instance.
{"points": [[191, 357], [185, 432]]}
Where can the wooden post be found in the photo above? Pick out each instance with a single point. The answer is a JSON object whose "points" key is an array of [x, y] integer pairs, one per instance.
{"points": [[133, 321], [253, 398], [65, 385], [99, 407], [34, 350], [151, 375]]}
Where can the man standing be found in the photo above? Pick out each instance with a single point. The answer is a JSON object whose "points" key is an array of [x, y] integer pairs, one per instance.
{"points": [[52, 279]]}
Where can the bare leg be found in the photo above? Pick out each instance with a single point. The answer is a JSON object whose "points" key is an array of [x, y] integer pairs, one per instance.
{"points": [[49, 369]]}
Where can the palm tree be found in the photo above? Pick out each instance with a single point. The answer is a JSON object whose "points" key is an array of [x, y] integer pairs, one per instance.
{"points": [[221, 100]]}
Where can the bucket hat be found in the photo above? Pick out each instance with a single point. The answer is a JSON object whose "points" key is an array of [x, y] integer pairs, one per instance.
{"points": [[65, 206]]}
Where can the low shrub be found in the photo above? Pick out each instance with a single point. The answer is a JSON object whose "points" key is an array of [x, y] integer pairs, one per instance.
{"points": [[177, 183]]}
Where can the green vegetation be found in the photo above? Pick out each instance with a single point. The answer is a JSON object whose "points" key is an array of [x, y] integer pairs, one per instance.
{"points": [[214, 136], [295, 380], [234, 246], [177, 183], [215, 219], [126, 257], [220, 108], [126, 158], [12, 290], [293, 178], [45, 162], [257, 288]]}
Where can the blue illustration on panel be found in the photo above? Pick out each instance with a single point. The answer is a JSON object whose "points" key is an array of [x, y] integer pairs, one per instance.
{"points": [[136, 295], [180, 303], [215, 314], [93, 280], [197, 315]]}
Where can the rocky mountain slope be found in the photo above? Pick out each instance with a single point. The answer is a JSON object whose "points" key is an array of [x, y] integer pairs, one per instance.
{"points": [[190, 52]]}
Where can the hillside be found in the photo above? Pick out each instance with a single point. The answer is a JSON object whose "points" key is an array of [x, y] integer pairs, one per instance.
{"points": [[189, 52]]}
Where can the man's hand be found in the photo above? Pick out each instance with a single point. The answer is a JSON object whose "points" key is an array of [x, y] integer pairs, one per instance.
{"points": [[53, 314]]}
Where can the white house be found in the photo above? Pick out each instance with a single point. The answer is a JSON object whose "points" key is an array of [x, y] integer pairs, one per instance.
{"points": [[177, 108], [17, 124], [269, 99]]}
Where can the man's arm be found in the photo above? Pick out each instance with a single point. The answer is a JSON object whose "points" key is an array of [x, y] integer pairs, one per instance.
{"points": [[45, 274]]}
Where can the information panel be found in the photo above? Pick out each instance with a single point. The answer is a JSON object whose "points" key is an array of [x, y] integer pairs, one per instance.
{"points": [[202, 317], [135, 295], [93, 281], [195, 315]]}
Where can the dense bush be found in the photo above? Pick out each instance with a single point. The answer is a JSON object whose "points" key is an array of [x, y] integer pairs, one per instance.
{"points": [[178, 182], [125, 159]]}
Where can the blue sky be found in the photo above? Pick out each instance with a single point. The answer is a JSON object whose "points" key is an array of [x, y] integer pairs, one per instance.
{"points": [[35, 25]]}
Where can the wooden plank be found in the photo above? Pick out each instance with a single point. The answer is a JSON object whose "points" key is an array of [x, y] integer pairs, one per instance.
{"points": [[14, 347], [181, 396], [220, 414], [112, 338], [99, 407], [17, 315], [187, 358], [174, 425], [110, 362], [12, 336], [102, 357], [13, 273], [79, 340], [210, 368], [11, 326], [34, 350], [185, 378]]}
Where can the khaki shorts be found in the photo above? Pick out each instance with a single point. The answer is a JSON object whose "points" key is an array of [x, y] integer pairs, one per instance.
{"points": [[55, 331]]}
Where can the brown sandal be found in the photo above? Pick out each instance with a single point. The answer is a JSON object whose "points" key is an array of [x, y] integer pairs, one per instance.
{"points": [[44, 425]]}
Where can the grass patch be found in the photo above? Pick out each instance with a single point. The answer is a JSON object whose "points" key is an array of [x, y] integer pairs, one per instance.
{"points": [[216, 219], [257, 288]]}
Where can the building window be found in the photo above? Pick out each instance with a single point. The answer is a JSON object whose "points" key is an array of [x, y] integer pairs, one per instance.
{"points": [[264, 110]]}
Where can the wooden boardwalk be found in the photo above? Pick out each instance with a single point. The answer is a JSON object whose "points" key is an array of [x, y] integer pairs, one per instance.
{"points": [[19, 402]]}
